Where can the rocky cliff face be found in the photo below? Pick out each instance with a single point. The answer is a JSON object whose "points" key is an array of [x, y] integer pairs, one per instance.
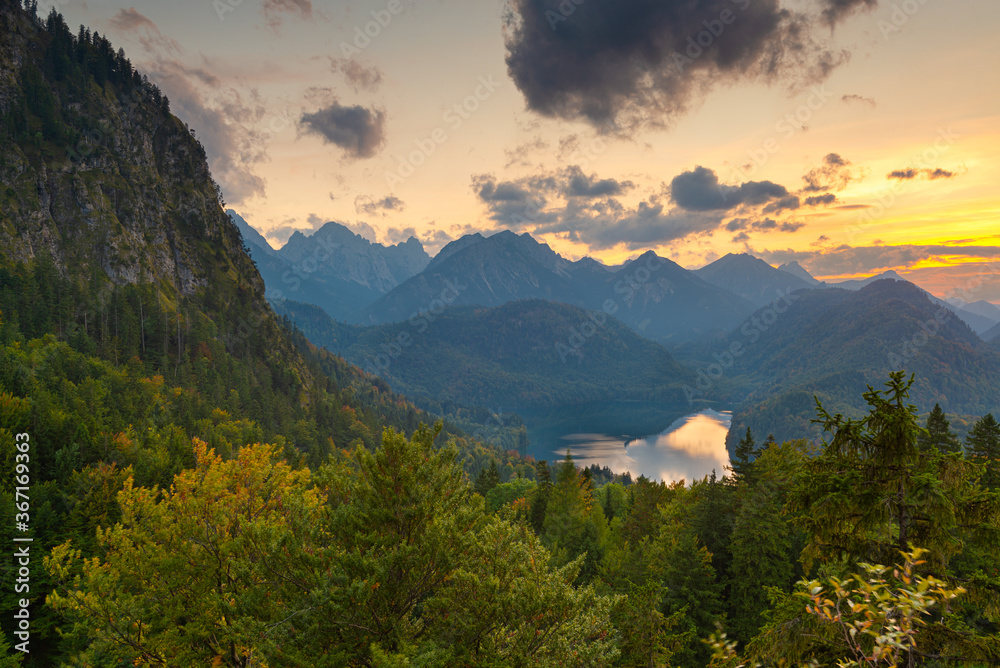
{"points": [[98, 174]]}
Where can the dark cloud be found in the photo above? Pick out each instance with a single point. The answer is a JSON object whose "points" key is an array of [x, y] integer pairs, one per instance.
{"points": [[789, 203], [835, 10], [700, 190], [586, 209], [581, 185], [816, 200], [762, 225], [850, 99], [514, 204], [357, 75], [835, 174], [360, 132], [367, 205], [911, 173], [546, 204], [649, 224], [275, 10], [627, 64], [570, 182]]}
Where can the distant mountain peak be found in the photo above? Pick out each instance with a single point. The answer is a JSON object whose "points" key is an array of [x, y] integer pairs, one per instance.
{"points": [[751, 278], [796, 269], [646, 257]]}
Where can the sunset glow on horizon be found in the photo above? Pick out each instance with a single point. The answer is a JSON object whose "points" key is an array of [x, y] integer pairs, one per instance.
{"points": [[432, 125]]}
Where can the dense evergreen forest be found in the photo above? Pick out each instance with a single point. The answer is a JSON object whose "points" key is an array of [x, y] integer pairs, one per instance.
{"points": [[207, 488]]}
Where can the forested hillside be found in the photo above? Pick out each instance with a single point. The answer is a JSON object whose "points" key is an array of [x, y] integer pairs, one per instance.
{"points": [[523, 355], [131, 319], [833, 343], [195, 484]]}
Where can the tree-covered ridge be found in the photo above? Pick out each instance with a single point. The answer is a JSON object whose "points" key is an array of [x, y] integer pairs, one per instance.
{"points": [[833, 343], [526, 354]]}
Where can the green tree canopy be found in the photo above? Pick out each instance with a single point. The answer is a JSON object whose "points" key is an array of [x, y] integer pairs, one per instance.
{"points": [[872, 492], [386, 560], [983, 447], [938, 433]]}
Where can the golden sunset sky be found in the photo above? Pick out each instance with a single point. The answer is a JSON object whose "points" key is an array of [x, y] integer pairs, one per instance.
{"points": [[301, 130]]}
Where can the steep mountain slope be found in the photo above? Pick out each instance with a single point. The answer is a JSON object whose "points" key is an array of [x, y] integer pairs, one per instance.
{"points": [[833, 342], [751, 278], [799, 271], [522, 355], [653, 295], [991, 334], [131, 319], [665, 302]]}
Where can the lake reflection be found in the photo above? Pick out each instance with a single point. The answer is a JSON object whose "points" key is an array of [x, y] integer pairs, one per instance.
{"points": [[689, 449]]}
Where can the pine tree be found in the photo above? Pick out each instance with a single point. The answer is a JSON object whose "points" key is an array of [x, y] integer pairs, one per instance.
{"points": [[540, 501], [762, 557], [487, 479], [744, 454], [938, 433], [643, 516], [873, 492], [574, 524], [983, 447], [691, 590]]}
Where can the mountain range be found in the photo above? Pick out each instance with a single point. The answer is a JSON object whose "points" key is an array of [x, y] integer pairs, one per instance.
{"points": [[360, 282], [334, 268], [655, 296], [831, 339]]}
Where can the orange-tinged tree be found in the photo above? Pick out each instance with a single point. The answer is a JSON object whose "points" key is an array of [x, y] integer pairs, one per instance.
{"points": [[187, 572]]}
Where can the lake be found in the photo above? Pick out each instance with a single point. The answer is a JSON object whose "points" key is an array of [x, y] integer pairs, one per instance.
{"points": [[661, 443]]}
